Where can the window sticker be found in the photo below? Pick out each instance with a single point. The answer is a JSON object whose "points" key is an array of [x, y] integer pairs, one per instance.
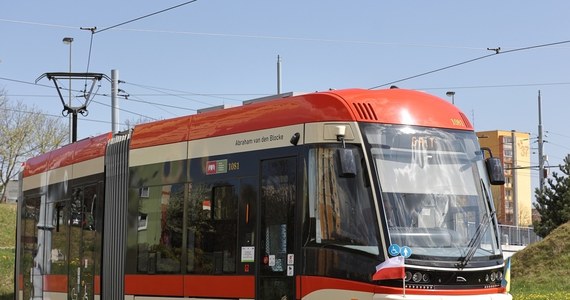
{"points": [[247, 254]]}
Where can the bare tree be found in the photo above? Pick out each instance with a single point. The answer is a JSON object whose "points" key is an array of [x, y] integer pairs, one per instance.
{"points": [[24, 132], [131, 123]]}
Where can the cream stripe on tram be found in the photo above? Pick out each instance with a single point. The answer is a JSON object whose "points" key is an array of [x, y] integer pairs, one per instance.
{"points": [[244, 142], [318, 132], [233, 143], [78, 170]]}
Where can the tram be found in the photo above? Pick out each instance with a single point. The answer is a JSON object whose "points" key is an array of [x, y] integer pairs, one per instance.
{"points": [[286, 197]]}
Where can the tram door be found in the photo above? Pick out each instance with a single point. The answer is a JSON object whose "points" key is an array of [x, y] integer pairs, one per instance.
{"points": [[32, 261], [276, 271], [82, 243]]}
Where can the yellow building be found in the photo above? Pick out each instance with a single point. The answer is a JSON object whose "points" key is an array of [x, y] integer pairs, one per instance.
{"points": [[512, 200]]}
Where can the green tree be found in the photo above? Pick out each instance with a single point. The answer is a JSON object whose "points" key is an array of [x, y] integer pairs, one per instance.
{"points": [[24, 132], [553, 202]]}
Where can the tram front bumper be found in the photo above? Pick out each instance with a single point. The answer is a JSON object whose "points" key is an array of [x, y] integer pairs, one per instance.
{"points": [[446, 297]]}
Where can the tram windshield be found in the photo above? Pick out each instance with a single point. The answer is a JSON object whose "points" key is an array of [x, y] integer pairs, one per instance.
{"points": [[434, 191]]}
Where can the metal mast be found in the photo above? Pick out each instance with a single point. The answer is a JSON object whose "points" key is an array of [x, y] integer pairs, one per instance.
{"points": [[278, 75], [514, 183], [114, 101], [540, 147]]}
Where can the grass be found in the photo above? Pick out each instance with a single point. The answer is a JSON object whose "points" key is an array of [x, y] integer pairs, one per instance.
{"points": [[7, 255], [7, 225], [540, 271], [6, 271]]}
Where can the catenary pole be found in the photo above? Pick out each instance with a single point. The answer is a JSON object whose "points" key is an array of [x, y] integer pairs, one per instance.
{"points": [[278, 74], [114, 101], [514, 184], [540, 146]]}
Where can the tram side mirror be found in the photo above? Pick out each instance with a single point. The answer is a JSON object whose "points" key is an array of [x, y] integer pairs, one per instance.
{"points": [[495, 171], [347, 164], [295, 139]]}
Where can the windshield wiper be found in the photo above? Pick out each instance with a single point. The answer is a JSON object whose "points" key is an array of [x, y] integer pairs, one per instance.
{"points": [[479, 233]]}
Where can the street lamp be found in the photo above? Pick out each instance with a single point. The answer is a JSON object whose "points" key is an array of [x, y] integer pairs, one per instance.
{"points": [[68, 41], [452, 95]]}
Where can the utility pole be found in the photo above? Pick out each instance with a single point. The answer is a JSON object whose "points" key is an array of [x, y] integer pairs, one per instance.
{"points": [[541, 174], [114, 101], [278, 75], [514, 183], [69, 41]]}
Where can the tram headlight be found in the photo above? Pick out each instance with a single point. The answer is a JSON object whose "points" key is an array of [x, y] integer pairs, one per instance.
{"points": [[425, 278], [499, 275], [417, 277], [493, 275], [486, 277], [408, 275]]}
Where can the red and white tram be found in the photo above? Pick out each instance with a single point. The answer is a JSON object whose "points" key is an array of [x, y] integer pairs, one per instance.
{"points": [[295, 197]]}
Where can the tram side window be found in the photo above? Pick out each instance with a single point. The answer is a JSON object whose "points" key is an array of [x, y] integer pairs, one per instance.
{"points": [[342, 206], [212, 230], [160, 236]]}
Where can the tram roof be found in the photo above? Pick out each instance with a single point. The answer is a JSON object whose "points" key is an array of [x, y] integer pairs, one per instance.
{"points": [[391, 106], [79, 151]]}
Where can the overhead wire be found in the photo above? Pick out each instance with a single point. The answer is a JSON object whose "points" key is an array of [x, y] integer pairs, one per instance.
{"points": [[158, 105], [162, 90], [256, 36], [558, 134], [130, 98], [55, 116], [557, 145], [497, 52], [158, 89], [433, 71], [25, 82], [302, 39], [267, 37], [39, 24], [94, 30], [127, 111], [52, 87], [145, 16], [134, 98], [492, 86], [221, 95]]}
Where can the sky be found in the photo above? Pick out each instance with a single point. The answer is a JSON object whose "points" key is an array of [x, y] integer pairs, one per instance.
{"points": [[205, 53]]}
